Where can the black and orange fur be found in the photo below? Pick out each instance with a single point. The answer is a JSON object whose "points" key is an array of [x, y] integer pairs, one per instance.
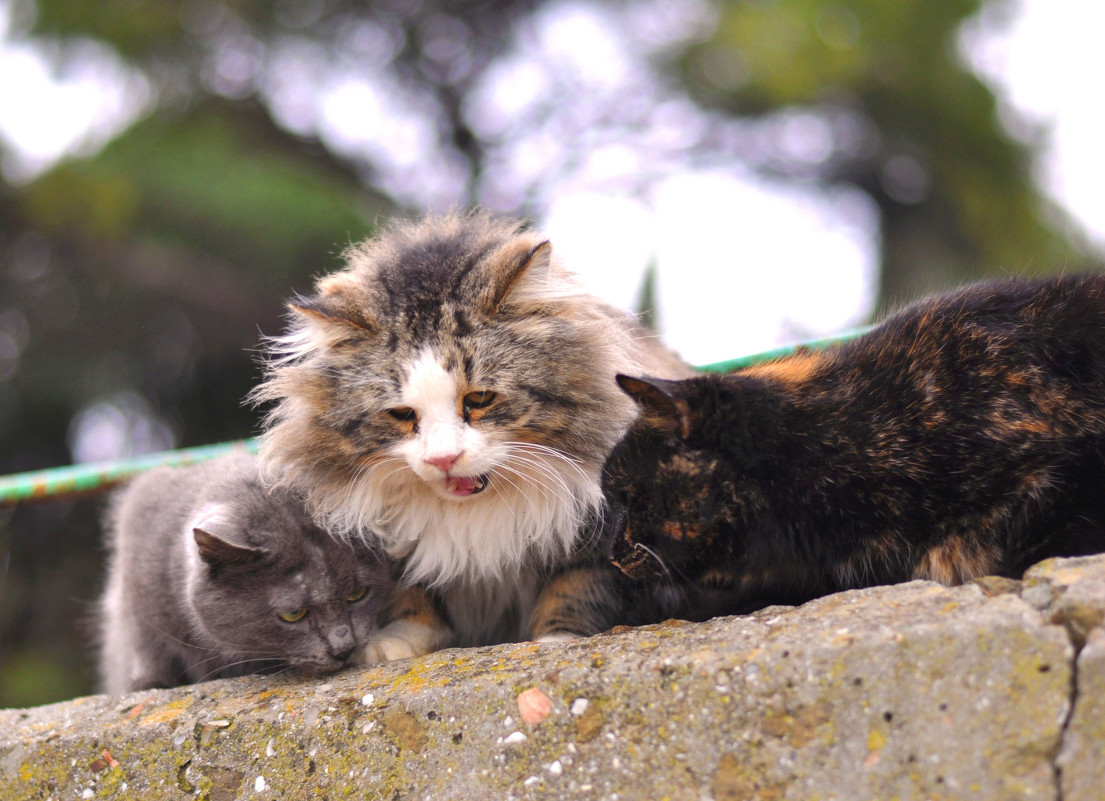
{"points": [[964, 436]]}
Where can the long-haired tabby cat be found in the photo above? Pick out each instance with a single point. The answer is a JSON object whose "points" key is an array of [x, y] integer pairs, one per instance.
{"points": [[451, 395], [964, 436], [210, 575]]}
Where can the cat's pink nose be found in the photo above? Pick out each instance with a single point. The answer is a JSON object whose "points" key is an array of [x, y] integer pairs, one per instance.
{"points": [[444, 463]]}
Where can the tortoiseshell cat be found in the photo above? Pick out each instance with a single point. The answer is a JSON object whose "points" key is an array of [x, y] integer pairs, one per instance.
{"points": [[451, 395], [964, 436]]}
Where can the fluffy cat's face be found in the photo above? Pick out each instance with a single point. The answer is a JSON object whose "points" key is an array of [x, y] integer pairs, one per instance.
{"points": [[678, 506], [461, 422], [452, 388], [285, 597], [448, 394]]}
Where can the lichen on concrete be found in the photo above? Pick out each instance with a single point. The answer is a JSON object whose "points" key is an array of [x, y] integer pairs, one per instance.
{"points": [[915, 691]]}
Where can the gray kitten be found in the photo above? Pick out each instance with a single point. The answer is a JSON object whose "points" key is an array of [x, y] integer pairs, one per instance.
{"points": [[211, 575], [451, 396]]}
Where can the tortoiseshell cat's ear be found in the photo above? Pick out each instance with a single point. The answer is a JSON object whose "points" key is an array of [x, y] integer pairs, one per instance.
{"points": [[663, 402], [521, 264], [335, 303]]}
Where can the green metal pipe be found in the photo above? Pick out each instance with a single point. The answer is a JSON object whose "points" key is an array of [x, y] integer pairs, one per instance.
{"points": [[82, 479], [786, 350]]}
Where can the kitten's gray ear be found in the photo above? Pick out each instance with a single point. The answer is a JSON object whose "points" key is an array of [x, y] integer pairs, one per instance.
{"points": [[334, 307], [516, 264], [662, 402], [218, 552]]}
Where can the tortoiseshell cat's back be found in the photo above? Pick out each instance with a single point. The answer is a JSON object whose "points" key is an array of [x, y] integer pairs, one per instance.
{"points": [[964, 436]]}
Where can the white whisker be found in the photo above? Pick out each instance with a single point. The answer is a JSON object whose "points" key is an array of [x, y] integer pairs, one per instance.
{"points": [[546, 491], [213, 644], [239, 663], [543, 466], [549, 451], [537, 456], [502, 495], [505, 476], [655, 556]]}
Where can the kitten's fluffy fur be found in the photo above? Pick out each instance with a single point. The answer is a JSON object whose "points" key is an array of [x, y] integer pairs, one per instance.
{"points": [[203, 562], [450, 394], [963, 436]]}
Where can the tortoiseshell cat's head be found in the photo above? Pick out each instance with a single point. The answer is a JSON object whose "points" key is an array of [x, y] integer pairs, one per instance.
{"points": [[450, 393], [682, 487]]}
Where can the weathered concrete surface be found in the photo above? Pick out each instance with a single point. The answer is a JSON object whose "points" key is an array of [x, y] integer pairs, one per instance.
{"points": [[1072, 592], [1082, 758], [909, 692]]}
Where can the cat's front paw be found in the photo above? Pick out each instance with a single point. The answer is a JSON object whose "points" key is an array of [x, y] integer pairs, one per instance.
{"points": [[400, 640]]}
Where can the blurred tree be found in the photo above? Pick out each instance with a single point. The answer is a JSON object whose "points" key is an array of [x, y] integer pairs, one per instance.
{"points": [[877, 95], [150, 267], [647, 308], [430, 53]]}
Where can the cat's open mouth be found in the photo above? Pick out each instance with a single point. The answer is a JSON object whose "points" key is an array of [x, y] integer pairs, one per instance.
{"points": [[464, 486]]}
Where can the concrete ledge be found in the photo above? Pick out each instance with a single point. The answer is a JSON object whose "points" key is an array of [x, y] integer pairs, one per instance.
{"points": [[915, 691]]}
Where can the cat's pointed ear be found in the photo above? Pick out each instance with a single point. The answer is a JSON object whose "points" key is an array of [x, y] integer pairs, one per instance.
{"points": [[526, 262], [663, 402], [332, 309], [337, 301], [218, 552]]}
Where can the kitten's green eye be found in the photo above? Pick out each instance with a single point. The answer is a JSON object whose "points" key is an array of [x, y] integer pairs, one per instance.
{"points": [[479, 399], [404, 413], [357, 594], [294, 616]]}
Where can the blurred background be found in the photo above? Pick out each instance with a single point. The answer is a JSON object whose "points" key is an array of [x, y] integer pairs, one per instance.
{"points": [[744, 172]]}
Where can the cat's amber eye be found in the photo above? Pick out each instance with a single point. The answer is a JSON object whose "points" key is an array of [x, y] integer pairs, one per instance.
{"points": [[294, 616], [403, 413], [357, 594], [479, 399]]}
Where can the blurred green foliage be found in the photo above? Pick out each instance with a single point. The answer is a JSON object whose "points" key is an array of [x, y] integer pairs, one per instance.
{"points": [[31, 676], [135, 28], [219, 176], [188, 227], [913, 127]]}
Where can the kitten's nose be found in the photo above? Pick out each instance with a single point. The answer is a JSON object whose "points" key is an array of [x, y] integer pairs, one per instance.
{"points": [[443, 463], [342, 643], [343, 654]]}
